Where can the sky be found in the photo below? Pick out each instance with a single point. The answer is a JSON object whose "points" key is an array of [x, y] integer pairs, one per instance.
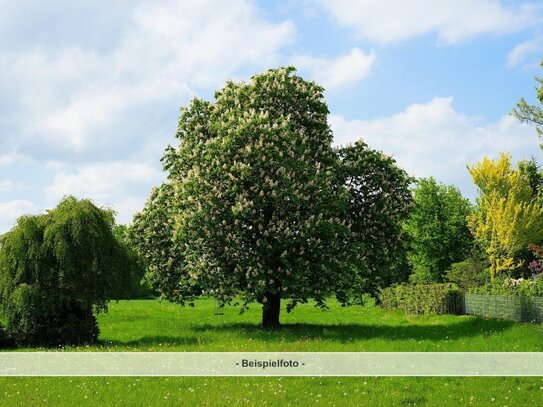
{"points": [[90, 90]]}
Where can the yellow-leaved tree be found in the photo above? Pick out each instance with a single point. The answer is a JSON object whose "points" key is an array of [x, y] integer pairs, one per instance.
{"points": [[508, 216]]}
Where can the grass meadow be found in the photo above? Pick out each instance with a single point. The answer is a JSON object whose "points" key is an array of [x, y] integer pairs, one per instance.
{"points": [[150, 325]]}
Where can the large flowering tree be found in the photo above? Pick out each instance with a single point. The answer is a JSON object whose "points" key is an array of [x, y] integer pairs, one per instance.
{"points": [[257, 204], [151, 234], [379, 201]]}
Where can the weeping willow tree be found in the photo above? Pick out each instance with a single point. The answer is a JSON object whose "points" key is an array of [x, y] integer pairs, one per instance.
{"points": [[57, 270]]}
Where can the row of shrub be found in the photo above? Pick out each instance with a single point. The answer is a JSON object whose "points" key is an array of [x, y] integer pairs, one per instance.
{"points": [[423, 298], [514, 299], [511, 286]]}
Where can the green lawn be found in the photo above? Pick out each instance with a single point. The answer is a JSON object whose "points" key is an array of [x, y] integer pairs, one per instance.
{"points": [[151, 326]]}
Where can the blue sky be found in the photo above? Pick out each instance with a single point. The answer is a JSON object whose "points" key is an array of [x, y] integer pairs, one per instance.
{"points": [[90, 91]]}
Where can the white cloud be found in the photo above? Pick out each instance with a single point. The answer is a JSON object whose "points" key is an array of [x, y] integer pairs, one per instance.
{"points": [[11, 210], [522, 51], [87, 119], [433, 139], [453, 20], [121, 185], [94, 97], [90, 100], [336, 72], [205, 41], [101, 181]]}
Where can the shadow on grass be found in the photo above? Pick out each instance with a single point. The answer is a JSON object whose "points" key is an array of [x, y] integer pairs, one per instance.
{"points": [[342, 333], [151, 341], [355, 332]]}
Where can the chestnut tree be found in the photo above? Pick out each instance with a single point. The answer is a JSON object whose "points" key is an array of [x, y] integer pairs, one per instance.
{"points": [[256, 205]]}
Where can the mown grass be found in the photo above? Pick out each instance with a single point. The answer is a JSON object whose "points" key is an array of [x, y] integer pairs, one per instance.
{"points": [[149, 325], [278, 391]]}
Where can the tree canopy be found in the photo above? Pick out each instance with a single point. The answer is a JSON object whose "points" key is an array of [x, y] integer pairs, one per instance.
{"points": [[151, 234], [438, 230], [259, 204], [532, 114], [56, 268], [508, 216], [379, 201]]}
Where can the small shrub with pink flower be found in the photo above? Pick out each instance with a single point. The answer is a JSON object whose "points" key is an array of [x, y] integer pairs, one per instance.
{"points": [[536, 265]]}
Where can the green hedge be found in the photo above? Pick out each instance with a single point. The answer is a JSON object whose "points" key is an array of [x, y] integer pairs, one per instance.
{"points": [[510, 286], [423, 298]]}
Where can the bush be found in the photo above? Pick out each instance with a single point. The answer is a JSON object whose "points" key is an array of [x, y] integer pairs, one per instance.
{"points": [[421, 277], [423, 298], [469, 273], [57, 269], [140, 286], [511, 286], [364, 299], [37, 317]]}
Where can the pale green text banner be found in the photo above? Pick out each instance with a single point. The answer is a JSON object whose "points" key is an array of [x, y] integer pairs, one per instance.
{"points": [[271, 364]]}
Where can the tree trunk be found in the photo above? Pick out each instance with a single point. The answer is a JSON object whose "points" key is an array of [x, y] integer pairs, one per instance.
{"points": [[271, 309]]}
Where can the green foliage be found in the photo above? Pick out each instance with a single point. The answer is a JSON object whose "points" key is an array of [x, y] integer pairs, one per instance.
{"points": [[511, 286], [378, 204], [530, 170], [140, 286], [56, 268], [508, 216], [256, 207], [423, 298], [437, 229], [532, 114], [471, 272], [258, 203], [151, 234]]}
